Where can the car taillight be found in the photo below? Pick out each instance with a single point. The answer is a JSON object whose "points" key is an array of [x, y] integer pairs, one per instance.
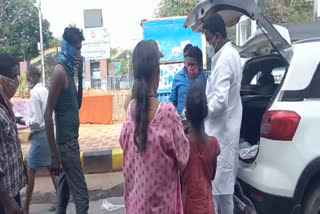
{"points": [[280, 125]]}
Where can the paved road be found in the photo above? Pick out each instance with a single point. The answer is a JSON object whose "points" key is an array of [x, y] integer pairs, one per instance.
{"points": [[95, 207]]}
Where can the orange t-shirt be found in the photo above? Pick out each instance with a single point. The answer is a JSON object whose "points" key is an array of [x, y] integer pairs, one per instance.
{"points": [[196, 178]]}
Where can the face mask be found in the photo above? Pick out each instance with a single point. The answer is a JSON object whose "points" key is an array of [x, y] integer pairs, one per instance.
{"points": [[211, 51], [8, 86], [193, 71]]}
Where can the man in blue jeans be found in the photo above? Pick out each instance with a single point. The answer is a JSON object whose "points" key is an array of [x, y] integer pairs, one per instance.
{"points": [[12, 171], [192, 71]]}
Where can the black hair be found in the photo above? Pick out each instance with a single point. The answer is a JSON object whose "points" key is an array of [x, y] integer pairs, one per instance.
{"points": [[196, 53], [146, 62], [186, 49], [33, 71], [7, 62], [215, 24], [196, 105], [73, 35]]}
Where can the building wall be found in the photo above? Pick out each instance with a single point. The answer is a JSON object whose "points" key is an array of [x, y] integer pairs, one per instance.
{"points": [[111, 68], [87, 75], [103, 68], [104, 73]]}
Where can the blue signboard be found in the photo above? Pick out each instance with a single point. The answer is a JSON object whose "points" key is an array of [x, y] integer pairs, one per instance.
{"points": [[171, 36], [167, 73]]}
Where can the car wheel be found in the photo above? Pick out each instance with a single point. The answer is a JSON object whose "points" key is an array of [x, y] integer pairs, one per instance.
{"points": [[312, 203]]}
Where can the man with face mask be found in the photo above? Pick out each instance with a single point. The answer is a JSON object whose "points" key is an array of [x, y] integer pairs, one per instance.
{"points": [[225, 110], [39, 154], [12, 172], [191, 72], [65, 100]]}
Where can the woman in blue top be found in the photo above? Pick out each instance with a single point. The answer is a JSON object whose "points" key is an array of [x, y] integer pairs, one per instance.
{"points": [[192, 72]]}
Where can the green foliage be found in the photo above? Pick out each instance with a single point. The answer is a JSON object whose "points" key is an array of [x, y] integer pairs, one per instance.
{"points": [[291, 11], [19, 29], [51, 61], [168, 8], [277, 11], [232, 34], [121, 58], [114, 52], [53, 42], [124, 66], [23, 90]]}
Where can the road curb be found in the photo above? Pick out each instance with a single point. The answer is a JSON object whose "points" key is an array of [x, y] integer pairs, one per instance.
{"points": [[97, 161]]}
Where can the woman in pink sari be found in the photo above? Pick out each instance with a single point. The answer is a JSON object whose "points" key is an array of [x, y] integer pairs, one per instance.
{"points": [[152, 138]]}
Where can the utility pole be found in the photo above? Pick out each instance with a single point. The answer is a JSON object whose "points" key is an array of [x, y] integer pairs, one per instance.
{"points": [[41, 45], [315, 10]]}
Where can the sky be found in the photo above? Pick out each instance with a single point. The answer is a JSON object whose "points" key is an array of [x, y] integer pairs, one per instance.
{"points": [[121, 17]]}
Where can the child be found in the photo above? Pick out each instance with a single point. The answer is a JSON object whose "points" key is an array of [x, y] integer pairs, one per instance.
{"points": [[204, 150]]}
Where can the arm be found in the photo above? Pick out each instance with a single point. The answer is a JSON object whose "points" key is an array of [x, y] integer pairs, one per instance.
{"points": [[34, 120], [10, 205], [79, 69], [217, 150], [4, 196], [204, 78], [57, 83], [174, 93], [181, 145], [218, 99], [80, 90]]}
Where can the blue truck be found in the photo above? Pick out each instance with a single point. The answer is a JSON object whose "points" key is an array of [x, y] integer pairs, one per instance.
{"points": [[171, 37]]}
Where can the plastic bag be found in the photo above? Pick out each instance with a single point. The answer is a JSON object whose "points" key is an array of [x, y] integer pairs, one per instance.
{"points": [[247, 151], [106, 205]]}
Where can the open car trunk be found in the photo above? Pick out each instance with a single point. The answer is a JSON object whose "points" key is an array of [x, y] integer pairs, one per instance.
{"points": [[260, 84]]}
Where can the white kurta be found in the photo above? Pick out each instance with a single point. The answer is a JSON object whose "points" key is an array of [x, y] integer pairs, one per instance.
{"points": [[37, 106], [225, 114]]}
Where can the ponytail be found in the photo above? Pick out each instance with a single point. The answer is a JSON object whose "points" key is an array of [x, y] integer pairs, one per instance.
{"points": [[141, 114], [145, 61]]}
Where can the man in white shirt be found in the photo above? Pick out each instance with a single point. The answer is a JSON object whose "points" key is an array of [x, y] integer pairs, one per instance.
{"points": [[225, 109], [39, 154]]}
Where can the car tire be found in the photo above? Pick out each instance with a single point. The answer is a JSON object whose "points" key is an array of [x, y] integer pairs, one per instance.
{"points": [[312, 203]]}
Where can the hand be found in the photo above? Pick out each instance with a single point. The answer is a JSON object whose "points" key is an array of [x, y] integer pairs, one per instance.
{"points": [[78, 66], [12, 207], [55, 166], [20, 121]]}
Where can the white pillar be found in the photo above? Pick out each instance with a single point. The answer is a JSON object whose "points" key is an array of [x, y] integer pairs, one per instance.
{"points": [[41, 45]]}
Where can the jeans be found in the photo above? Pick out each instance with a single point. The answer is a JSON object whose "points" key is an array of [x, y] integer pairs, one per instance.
{"points": [[17, 198], [72, 180]]}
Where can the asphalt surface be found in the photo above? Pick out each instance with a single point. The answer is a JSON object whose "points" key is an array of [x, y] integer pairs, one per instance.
{"points": [[95, 207]]}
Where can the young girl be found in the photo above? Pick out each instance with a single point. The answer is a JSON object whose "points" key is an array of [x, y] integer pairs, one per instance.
{"points": [[204, 150]]}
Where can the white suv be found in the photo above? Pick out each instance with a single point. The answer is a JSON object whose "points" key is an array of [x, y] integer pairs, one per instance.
{"points": [[282, 118]]}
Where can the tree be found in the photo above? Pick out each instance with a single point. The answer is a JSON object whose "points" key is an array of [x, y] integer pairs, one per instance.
{"points": [[120, 56], [114, 52], [168, 8], [291, 11], [19, 29], [277, 11]]}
